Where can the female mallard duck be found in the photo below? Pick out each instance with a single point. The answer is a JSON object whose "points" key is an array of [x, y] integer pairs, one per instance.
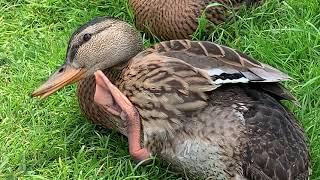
{"points": [[209, 110], [178, 19]]}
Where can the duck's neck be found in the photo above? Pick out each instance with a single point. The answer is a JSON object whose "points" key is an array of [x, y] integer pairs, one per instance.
{"points": [[114, 73], [85, 92]]}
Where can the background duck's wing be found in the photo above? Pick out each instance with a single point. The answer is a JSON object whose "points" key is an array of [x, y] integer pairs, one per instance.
{"points": [[225, 65]]}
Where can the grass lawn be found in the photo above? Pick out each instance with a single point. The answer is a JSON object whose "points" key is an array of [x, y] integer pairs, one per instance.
{"points": [[51, 139]]}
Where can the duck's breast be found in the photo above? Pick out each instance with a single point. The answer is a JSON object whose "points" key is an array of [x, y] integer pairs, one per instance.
{"points": [[210, 145]]}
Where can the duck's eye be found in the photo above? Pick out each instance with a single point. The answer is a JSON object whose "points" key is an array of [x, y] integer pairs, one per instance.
{"points": [[86, 37]]}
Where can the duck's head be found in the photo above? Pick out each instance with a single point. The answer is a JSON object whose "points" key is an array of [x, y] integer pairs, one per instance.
{"points": [[99, 44]]}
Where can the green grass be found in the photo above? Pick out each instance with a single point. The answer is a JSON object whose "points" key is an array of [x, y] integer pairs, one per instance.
{"points": [[52, 139]]}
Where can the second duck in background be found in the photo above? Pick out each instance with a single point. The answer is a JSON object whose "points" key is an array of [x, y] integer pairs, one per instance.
{"points": [[178, 19]]}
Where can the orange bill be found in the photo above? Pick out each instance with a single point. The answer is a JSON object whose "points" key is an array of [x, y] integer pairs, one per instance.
{"points": [[64, 76]]}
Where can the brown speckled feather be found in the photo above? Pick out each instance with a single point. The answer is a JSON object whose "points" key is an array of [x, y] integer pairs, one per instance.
{"points": [[164, 89], [173, 19]]}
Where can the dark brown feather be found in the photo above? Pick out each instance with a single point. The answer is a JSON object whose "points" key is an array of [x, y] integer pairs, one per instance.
{"points": [[276, 148]]}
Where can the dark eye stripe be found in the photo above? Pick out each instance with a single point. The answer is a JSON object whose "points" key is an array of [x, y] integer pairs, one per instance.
{"points": [[73, 52]]}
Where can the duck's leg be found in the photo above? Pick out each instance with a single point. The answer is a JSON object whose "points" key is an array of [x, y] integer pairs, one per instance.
{"points": [[111, 98]]}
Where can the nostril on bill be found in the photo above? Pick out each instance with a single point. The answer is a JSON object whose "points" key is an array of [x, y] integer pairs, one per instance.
{"points": [[61, 70]]}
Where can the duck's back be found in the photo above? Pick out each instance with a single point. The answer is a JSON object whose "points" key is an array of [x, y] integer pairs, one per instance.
{"points": [[236, 129], [173, 19]]}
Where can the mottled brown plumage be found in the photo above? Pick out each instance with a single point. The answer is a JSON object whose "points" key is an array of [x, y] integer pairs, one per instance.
{"points": [[178, 19], [207, 109]]}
